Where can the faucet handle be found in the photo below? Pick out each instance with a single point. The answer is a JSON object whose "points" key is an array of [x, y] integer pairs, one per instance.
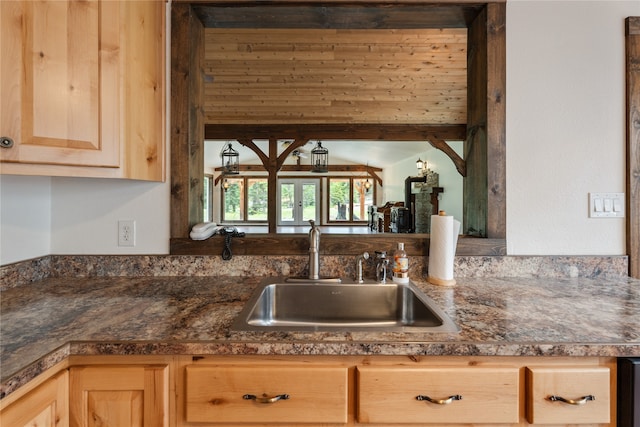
{"points": [[359, 259], [381, 267]]}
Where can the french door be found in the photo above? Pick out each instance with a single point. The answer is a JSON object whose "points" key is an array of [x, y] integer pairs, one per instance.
{"points": [[298, 201]]}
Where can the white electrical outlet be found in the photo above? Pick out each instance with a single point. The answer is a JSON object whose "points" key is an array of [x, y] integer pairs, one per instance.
{"points": [[126, 232]]}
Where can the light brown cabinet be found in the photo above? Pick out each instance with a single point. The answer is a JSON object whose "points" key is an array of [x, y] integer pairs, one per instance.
{"points": [[567, 394], [438, 394], [119, 396], [271, 394], [83, 88], [47, 405], [315, 391], [391, 390]]}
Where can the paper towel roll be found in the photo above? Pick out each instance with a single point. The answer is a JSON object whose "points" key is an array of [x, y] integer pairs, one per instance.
{"points": [[442, 249]]}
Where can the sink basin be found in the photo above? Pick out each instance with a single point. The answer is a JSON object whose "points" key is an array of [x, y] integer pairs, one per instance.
{"points": [[321, 306]]}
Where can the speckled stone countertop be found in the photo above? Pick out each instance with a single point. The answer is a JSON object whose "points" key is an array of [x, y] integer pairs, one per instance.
{"points": [[48, 320]]}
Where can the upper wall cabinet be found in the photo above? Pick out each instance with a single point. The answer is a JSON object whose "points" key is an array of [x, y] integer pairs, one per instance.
{"points": [[83, 88]]}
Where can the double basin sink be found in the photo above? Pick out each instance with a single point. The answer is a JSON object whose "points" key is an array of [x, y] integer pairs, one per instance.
{"points": [[332, 305]]}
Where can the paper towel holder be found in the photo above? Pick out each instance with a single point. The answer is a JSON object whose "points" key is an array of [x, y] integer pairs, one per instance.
{"points": [[441, 281]]}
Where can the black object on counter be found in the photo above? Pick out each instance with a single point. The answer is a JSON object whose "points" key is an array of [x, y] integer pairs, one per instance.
{"points": [[628, 392]]}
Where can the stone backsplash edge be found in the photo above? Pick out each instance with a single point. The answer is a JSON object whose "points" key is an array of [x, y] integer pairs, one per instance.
{"points": [[33, 270]]}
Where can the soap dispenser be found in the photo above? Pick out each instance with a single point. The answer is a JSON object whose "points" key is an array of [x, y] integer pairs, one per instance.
{"points": [[400, 265]]}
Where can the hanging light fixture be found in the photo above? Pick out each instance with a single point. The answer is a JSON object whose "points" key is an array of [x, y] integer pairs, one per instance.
{"points": [[230, 161], [319, 159], [419, 164], [225, 185], [367, 185]]}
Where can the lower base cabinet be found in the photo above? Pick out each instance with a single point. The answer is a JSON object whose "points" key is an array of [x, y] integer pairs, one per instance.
{"points": [[119, 396], [47, 405], [561, 395], [438, 395], [386, 391], [275, 394], [315, 391]]}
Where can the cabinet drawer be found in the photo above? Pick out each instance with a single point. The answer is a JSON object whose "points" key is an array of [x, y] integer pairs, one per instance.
{"points": [[572, 384], [391, 395], [221, 394]]}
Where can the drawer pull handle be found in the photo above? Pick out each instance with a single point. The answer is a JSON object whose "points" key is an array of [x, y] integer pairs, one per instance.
{"points": [[581, 401], [265, 398], [446, 401]]}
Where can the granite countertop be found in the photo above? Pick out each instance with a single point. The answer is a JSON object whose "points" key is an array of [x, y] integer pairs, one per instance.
{"points": [[46, 321]]}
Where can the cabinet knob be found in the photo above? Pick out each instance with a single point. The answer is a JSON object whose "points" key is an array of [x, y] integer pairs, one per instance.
{"points": [[581, 401], [446, 401], [6, 142], [265, 398]]}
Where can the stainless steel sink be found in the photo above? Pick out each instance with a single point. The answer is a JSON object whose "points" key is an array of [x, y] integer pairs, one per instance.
{"points": [[321, 306]]}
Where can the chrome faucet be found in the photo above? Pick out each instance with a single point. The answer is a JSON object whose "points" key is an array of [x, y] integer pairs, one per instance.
{"points": [[381, 266], [359, 259], [314, 251]]}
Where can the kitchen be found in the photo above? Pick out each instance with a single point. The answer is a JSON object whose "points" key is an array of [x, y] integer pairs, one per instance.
{"points": [[565, 123]]}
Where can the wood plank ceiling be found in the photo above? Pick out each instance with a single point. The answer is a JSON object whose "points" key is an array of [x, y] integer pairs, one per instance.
{"points": [[335, 76]]}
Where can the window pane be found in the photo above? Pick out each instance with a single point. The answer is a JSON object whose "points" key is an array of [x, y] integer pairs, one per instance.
{"points": [[287, 207], [233, 200], [257, 201], [339, 199], [206, 198], [309, 191], [361, 199]]}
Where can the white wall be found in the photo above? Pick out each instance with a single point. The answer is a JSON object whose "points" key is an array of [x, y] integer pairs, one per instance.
{"points": [[565, 138], [565, 124], [25, 218], [449, 178], [42, 216], [86, 213]]}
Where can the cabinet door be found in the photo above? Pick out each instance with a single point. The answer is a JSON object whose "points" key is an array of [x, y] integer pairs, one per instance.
{"points": [[83, 88], [558, 395], [45, 406], [230, 394], [60, 72], [438, 395], [119, 396]]}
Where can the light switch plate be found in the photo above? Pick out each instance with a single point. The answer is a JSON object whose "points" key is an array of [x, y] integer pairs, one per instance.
{"points": [[606, 205]]}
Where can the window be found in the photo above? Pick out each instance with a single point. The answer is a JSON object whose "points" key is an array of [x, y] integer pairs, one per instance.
{"points": [[245, 200], [362, 199], [233, 200], [257, 199], [207, 201], [349, 200]]}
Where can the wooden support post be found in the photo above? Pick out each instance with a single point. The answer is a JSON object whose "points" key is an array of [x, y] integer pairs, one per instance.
{"points": [[484, 187], [187, 122], [632, 35]]}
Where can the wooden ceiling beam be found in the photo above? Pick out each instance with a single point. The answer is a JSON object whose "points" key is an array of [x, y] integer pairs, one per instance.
{"points": [[307, 168], [306, 132], [459, 162], [338, 16]]}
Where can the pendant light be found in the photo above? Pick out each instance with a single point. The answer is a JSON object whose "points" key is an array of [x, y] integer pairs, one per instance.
{"points": [[230, 161], [319, 159]]}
